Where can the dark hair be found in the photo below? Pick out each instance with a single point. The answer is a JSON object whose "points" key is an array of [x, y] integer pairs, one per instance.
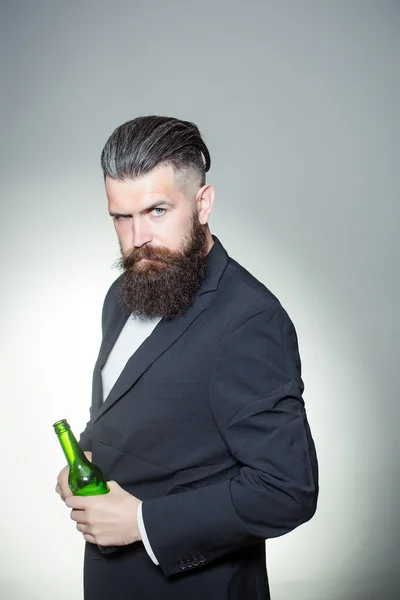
{"points": [[139, 146]]}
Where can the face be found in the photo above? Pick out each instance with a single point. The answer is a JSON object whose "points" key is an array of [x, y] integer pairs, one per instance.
{"points": [[153, 210], [161, 224]]}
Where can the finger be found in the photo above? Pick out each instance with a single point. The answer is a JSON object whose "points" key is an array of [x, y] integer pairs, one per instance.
{"points": [[89, 538], [82, 528], [59, 492], [65, 490], [78, 516], [77, 502], [113, 485]]}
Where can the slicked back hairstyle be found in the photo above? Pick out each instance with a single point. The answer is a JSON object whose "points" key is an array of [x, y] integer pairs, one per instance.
{"points": [[139, 146]]}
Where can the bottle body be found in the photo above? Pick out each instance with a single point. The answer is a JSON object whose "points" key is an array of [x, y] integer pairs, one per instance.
{"points": [[84, 478]]}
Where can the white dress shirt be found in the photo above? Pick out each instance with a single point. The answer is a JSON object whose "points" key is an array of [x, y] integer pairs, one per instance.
{"points": [[131, 337]]}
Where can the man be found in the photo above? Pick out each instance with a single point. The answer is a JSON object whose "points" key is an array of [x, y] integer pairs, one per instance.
{"points": [[197, 415]]}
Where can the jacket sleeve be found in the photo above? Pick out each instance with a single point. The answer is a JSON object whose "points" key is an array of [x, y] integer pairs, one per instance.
{"points": [[256, 400]]}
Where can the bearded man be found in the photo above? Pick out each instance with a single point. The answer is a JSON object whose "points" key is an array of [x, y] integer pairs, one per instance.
{"points": [[197, 416]]}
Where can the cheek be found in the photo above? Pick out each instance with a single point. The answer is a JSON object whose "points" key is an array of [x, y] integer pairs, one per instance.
{"points": [[177, 231], [124, 237], [172, 237]]}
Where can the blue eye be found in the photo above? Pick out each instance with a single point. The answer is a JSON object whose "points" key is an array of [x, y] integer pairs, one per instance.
{"points": [[159, 214]]}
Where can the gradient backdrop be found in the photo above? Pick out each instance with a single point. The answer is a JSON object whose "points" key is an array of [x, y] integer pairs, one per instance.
{"points": [[299, 104]]}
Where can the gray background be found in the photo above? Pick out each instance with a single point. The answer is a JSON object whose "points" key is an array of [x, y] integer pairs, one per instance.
{"points": [[298, 102]]}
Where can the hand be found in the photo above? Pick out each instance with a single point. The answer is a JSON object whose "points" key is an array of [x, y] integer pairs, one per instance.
{"points": [[62, 487], [106, 520]]}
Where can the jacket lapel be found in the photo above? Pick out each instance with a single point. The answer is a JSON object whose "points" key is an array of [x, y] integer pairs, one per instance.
{"points": [[109, 338], [163, 336]]}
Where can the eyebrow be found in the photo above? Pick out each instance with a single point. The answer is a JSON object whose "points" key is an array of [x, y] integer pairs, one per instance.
{"points": [[148, 209]]}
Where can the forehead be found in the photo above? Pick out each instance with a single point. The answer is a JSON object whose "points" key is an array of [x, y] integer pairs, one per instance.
{"points": [[158, 183]]}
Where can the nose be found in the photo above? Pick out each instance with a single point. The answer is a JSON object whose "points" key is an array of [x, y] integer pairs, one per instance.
{"points": [[140, 234]]}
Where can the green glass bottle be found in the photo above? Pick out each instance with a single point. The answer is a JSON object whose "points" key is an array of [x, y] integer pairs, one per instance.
{"points": [[84, 478]]}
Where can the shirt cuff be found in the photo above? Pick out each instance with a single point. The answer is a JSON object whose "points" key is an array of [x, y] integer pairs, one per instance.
{"points": [[143, 534]]}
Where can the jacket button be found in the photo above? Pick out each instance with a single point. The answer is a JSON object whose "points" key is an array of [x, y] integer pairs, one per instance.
{"points": [[195, 562], [189, 563], [182, 565], [201, 557]]}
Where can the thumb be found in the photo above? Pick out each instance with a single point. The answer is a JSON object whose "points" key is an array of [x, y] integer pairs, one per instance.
{"points": [[113, 485]]}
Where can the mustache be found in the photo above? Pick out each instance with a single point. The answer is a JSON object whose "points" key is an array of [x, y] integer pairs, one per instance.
{"points": [[157, 254]]}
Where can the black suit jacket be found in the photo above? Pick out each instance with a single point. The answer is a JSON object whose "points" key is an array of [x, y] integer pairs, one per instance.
{"points": [[206, 424]]}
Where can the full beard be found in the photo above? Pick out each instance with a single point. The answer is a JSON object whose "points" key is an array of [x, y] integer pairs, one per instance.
{"points": [[167, 285]]}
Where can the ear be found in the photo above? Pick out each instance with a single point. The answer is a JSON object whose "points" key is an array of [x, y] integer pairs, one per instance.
{"points": [[204, 203]]}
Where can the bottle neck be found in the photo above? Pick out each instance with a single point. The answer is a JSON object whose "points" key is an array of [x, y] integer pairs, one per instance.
{"points": [[71, 448]]}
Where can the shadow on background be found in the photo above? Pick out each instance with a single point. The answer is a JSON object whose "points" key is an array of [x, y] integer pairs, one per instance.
{"points": [[10, 589], [377, 589], [38, 590]]}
